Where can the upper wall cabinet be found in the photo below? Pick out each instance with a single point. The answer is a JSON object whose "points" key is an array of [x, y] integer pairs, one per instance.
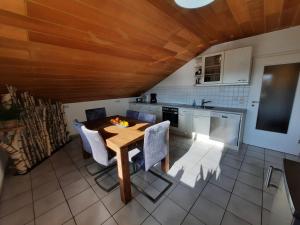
{"points": [[230, 67], [237, 66], [213, 68]]}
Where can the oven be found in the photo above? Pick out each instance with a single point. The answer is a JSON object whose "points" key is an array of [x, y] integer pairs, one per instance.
{"points": [[171, 114]]}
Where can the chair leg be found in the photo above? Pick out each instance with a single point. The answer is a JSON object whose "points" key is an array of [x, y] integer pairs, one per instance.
{"points": [[103, 174], [154, 200], [117, 182], [101, 168]]}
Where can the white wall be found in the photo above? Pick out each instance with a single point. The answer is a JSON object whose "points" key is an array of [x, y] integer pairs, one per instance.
{"points": [[265, 47], [179, 86], [278, 42], [77, 110]]}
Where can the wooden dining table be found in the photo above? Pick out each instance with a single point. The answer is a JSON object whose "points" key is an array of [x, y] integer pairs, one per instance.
{"points": [[119, 140]]}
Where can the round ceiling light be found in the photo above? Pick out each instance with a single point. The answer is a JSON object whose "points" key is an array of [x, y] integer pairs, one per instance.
{"points": [[191, 4]]}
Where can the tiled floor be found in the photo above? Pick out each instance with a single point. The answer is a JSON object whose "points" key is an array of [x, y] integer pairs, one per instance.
{"points": [[211, 185]]}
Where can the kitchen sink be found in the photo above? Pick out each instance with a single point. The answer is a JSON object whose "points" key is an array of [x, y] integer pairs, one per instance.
{"points": [[205, 107]]}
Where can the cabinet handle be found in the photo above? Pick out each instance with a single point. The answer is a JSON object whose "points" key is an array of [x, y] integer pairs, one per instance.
{"points": [[224, 116], [269, 177]]}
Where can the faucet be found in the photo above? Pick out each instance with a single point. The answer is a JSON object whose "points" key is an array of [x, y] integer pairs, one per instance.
{"points": [[203, 102]]}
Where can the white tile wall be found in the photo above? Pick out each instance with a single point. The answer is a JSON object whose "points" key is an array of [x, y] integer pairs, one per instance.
{"points": [[223, 96]]}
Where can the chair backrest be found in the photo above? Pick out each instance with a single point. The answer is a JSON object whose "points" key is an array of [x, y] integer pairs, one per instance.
{"points": [[132, 114], [147, 117], [85, 144], [98, 146], [95, 114], [156, 143]]}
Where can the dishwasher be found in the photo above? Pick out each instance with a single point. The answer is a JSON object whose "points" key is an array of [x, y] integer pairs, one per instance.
{"points": [[225, 127]]}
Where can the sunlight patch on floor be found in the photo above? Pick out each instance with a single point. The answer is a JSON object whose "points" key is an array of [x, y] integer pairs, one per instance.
{"points": [[200, 162]]}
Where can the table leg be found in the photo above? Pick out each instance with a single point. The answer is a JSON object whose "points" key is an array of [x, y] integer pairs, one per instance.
{"points": [[124, 175], [165, 164]]}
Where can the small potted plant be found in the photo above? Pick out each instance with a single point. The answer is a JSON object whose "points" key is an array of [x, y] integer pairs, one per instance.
{"points": [[9, 114]]}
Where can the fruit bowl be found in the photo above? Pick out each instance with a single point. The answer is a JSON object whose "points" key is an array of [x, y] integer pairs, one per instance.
{"points": [[120, 123]]}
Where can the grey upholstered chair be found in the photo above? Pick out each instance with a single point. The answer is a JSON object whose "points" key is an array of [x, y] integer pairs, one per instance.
{"points": [[95, 114], [156, 148], [132, 114], [147, 117], [85, 144], [92, 168], [102, 156]]}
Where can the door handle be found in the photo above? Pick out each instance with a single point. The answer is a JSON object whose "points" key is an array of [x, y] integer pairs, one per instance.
{"points": [[254, 102]]}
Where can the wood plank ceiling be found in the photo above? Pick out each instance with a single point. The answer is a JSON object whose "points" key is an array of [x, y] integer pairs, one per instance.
{"points": [[78, 50]]}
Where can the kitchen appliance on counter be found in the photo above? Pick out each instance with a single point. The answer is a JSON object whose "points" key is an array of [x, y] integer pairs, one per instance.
{"points": [[153, 98], [139, 99], [171, 114]]}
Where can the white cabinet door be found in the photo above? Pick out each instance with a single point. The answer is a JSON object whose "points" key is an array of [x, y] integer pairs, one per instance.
{"points": [[185, 121], [237, 66], [201, 122], [213, 68]]}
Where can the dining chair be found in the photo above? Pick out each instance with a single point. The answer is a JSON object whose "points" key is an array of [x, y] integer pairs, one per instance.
{"points": [[95, 114], [92, 168], [132, 114], [156, 148], [103, 157], [147, 117], [85, 144]]}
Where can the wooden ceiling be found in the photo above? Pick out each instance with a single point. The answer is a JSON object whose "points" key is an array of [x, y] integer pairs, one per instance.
{"points": [[79, 50]]}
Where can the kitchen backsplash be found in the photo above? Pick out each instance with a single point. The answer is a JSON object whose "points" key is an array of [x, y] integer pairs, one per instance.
{"points": [[223, 96]]}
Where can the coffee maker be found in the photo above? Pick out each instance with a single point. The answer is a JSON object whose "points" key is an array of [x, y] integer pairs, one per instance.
{"points": [[153, 98]]}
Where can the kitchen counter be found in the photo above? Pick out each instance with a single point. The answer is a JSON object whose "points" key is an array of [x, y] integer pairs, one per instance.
{"points": [[210, 108]]}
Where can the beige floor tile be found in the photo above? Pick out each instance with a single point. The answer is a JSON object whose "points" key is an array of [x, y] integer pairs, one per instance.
{"points": [[251, 180], [45, 189], [93, 215], [207, 212], [191, 220], [249, 193], [99, 191], [56, 216], [43, 178], [19, 217], [230, 219], [169, 212], [133, 213], [43, 205], [216, 195], [75, 188], [150, 221], [15, 203], [83, 200], [10, 190], [184, 196], [69, 178], [223, 182], [110, 221], [70, 222], [245, 210], [113, 201]]}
